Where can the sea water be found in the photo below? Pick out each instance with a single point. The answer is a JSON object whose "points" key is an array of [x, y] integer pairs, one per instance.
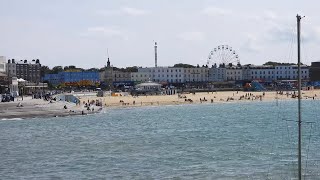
{"points": [[253, 140]]}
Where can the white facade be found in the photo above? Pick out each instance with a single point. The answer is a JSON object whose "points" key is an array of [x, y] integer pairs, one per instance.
{"points": [[200, 74], [3, 66], [290, 72], [217, 74], [12, 69], [271, 73], [141, 76], [265, 73], [234, 73], [171, 74], [159, 74]]}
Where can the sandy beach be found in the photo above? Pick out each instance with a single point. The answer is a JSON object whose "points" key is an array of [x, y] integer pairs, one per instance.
{"points": [[40, 108], [211, 97]]}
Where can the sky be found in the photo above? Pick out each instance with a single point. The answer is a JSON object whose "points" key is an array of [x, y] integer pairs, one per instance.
{"points": [[79, 32]]}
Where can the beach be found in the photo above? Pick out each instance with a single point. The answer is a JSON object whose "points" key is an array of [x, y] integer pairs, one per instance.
{"points": [[206, 97], [31, 108], [39, 108]]}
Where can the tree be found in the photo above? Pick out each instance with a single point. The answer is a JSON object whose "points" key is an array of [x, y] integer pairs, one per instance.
{"points": [[44, 70], [102, 69], [69, 67], [57, 69], [273, 63], [92, 70], [181, 65], [131, 69]]}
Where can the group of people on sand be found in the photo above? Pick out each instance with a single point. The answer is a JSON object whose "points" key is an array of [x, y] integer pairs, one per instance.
{"points": [[204, 99]]}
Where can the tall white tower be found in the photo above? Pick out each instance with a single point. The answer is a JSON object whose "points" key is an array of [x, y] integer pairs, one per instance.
{"points": [[155, 55]]}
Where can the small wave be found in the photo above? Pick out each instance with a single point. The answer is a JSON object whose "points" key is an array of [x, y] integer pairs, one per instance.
{"points": [[11, 119]]}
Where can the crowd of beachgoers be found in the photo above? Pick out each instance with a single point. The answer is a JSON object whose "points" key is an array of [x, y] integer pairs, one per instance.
{"points": [[201, 97]]}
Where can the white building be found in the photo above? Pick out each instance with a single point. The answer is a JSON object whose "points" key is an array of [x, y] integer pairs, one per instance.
{"points": [[3, 66], [290, 72], [272, 73], [141, 76], [234, 73], [217, 74], [266, 73], [200, 74], [12, 68], [263, 73], [159, 74]]}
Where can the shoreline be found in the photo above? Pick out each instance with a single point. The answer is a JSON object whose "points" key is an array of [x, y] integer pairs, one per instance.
{"points": [[38, 108]]}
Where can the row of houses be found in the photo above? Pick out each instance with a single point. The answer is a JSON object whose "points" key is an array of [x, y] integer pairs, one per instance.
{"points": [[31, 72], [220, 74], [174, 75]]}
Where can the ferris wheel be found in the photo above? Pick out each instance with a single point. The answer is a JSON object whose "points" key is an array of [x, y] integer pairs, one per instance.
{"points": [[223, 54]]}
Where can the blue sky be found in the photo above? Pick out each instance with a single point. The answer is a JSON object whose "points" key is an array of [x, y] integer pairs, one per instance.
{"points": [[78, 32]]}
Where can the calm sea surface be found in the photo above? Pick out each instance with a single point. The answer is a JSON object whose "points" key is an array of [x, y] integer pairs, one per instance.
{"points": [[209, 141]]}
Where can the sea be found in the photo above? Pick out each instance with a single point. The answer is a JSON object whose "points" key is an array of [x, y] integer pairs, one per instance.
{"points": [[246, 140]]}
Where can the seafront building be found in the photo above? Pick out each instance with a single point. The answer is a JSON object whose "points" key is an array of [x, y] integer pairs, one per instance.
{"points": [[24, 69], [3, 66], [197, 74], [268, 73], [73, 79], [111, 77], [223, 73], [158, 74], [3, 74]]}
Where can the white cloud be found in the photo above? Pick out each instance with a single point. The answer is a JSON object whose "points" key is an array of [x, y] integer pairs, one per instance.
{"points": [[317, 32], [192, 36], [107, 12], [252, 44], [215, 11], [134, 11], [270, 15], [107, 32], [123, 11]]}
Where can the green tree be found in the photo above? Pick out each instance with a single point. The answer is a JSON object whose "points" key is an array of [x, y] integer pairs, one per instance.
{"points": [[92, 69], [57, 69], [131, 69], [273, 63], [44, 70], [181, 65]]}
